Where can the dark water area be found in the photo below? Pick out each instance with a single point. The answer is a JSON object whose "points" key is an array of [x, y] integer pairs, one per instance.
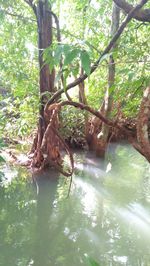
{"points": [[105, 218]]}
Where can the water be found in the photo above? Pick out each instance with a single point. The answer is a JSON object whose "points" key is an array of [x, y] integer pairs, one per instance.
{"points": [[106, 217]]}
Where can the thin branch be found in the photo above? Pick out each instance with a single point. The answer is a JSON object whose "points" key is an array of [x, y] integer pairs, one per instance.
{"points": [[107, 50], [57, 26], [91, 110], [131, 62], [17, 16], [141, 24], [32, 5], [141, 15], [136, 90]]}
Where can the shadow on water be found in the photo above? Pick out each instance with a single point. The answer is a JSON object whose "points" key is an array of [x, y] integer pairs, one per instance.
{"points": [[105, 217]]}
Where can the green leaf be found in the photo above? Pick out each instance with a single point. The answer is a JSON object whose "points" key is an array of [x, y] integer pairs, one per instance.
{"points": [[124, 71], [2, 176], [112, 88], [104, 57], [58, 53], [2, 160], [58, 77], [66, 74], [71, 56], [51, 64], [130, 76], [91, 261], [48, 59], [86, 62], [75, 71], [2, 144], [66, 48]]}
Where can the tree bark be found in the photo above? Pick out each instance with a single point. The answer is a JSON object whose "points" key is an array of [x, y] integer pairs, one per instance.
{"points": [[141, 15], [83, 99], [46, 144], [143, 124], [45, 37], [100, 139]]}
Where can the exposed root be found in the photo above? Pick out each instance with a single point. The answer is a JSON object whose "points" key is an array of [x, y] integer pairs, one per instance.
{"points": [[47, 152]]}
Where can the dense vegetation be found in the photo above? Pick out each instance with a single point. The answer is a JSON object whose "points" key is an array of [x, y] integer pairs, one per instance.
{"points": [[76, 35]]}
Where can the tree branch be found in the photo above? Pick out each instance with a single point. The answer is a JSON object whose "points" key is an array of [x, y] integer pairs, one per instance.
{"points": [[141, 15], [32, 5], [18, 16], [107, 121], [92, 111], [57, 26], [107, 50]]}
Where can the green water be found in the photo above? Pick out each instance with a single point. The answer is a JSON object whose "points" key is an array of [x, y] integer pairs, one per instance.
{"points": [[105, 218]]}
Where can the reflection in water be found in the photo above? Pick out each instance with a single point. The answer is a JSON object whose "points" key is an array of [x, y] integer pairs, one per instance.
{"points": [[107, 215], [46, 184]]}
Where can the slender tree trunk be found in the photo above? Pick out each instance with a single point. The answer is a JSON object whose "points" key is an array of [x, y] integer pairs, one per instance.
{"points": [[82, 95], [102, 137], [82, 99], [98, 134]]}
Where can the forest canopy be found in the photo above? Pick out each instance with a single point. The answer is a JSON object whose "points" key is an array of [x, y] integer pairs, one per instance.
{"points": [[93, 55]]}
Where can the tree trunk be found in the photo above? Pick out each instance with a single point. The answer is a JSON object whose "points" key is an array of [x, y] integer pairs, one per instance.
{"points": [[82, 99], [95, 125], [45, 37], [46, 143], [100, 130], [102, 137], [143, 124]]}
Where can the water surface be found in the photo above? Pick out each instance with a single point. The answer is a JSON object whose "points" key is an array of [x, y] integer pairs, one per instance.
{"points": [[106, 216]]}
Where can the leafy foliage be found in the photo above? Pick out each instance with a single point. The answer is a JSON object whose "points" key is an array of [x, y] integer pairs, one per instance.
{"points": [[91, 261], [85, 32], [72, 126], [70, 56]]}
